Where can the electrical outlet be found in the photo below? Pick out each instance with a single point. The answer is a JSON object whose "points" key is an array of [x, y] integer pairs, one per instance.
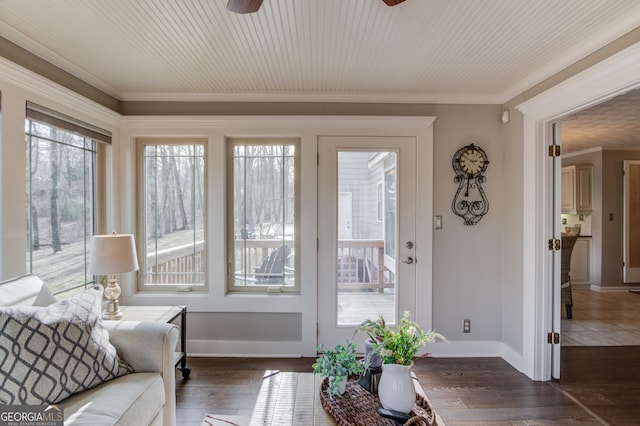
{"points": [[466, 326]]}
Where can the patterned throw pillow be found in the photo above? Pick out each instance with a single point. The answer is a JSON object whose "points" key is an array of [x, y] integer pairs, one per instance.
{"points": [[47, 354]]}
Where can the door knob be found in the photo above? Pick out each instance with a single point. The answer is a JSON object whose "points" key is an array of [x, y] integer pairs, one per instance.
{"points": [[408, 260]]}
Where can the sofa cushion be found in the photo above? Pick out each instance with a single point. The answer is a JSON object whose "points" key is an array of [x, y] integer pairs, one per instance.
{"points": [[134, 399], [47, 354], [27, 290]]}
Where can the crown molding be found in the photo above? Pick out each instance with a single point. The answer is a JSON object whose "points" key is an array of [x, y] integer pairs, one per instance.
{"points": [[30, 81], [615, 75], [279, 121], [350, 97]]}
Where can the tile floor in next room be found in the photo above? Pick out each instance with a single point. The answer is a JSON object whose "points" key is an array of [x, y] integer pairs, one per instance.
{"points": [[602, 319]]}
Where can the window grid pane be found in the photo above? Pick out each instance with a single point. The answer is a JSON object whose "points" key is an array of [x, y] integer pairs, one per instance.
{"points": [[174, 215], [264, 206], [61, 179]]}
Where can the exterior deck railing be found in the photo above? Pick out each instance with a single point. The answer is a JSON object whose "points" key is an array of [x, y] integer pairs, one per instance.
{"points": [[176, 265], [360, 263], [360, 266]]}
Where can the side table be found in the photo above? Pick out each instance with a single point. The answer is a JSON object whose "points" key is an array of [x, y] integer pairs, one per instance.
{"points": [[164, 314]]}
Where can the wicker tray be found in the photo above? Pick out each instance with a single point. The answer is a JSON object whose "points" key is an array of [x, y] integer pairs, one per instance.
{"points": [[357, 406]]}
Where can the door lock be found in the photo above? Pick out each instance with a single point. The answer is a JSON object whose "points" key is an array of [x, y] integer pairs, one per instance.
{"points": [[409, 245]]}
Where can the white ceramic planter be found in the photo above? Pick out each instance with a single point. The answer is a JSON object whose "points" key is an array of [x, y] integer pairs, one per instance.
{"points": [[396, 390]]}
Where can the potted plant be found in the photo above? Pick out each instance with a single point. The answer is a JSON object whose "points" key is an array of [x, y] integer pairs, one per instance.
{"points": [[402, 345], [337, 364], [376, 332], [398, 348]]}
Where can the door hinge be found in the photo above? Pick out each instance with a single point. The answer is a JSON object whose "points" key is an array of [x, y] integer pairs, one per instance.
{"points": [[553, 338], [554, 244], [554, 150]]}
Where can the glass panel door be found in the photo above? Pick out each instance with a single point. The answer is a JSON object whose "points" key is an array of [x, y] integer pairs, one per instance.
{"points": [[366, 231], [365, 264]]}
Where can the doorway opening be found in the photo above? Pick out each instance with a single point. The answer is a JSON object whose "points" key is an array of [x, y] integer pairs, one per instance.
{"points": [[598, 141], [616, 75]]}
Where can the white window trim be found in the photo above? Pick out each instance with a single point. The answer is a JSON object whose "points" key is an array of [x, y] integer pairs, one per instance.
{"points": [[229, 207], [141, 143]]}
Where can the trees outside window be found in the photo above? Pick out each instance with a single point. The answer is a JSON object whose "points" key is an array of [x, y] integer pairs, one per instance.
{"points": [[262, 206], [61, 205], [172, 224]]}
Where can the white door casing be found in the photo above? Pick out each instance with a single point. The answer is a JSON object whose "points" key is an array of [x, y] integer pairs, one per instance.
{"points": [[556, 255], [610, 77], [330, 331]]}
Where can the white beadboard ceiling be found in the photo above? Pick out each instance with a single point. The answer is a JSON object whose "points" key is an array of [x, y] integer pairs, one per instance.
{"points": [[447, 51], [480, 51]]}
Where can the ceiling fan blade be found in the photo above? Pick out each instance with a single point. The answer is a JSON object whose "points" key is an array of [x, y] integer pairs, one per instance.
{"points": [[244, 6], [392, 2]]}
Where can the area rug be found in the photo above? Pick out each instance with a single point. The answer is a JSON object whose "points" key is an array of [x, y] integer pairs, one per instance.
{"points": [[225, 420]]}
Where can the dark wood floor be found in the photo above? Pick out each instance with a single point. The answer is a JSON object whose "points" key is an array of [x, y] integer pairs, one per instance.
{"points": [[599, 385], [606, 380]]}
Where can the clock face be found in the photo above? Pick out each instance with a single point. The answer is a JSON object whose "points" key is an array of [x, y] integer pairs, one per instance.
{"points": [[472, 160]]}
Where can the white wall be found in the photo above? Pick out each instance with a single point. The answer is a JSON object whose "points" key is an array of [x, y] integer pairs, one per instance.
{"points": [[468, 273], [512, 238]]}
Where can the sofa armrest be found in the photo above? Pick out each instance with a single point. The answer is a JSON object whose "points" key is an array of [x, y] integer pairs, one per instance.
{"points": [[149, 346]]}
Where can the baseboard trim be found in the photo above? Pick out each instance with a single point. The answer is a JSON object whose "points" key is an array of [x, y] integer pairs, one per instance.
{"points": [[607, 289], [253, 349], [220, 348]]}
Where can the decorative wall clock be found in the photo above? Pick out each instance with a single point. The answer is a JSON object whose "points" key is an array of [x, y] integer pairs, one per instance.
{"points": [[470, 202]]}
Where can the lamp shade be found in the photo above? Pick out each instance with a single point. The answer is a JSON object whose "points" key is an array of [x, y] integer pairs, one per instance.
{"points": [[112, 254]]}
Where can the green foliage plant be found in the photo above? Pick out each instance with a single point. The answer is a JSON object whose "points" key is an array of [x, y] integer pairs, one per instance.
{"points": [[337, 364], [400, 346], [375, 330]]}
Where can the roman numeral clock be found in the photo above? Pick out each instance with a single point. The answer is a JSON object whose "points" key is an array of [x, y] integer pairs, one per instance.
{"points": [[470, 202]]}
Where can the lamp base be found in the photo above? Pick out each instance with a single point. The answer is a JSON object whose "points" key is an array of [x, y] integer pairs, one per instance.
{"points": [[107, 315], [111, 293], [112, 311]]}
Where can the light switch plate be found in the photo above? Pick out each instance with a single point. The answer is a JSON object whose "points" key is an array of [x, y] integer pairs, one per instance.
{"points": [[437, 222]]}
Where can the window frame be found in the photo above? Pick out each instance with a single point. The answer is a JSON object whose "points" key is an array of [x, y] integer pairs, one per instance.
{"points": [[141, 284], [95, 142], [230, 286]]}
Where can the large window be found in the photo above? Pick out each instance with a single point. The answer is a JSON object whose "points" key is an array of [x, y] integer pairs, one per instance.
{"points": [[172, 225], [61, 197], [262, 206]]}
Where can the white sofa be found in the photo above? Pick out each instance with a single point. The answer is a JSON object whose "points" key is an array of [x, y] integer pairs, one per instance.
{"points": [[145, 397]]}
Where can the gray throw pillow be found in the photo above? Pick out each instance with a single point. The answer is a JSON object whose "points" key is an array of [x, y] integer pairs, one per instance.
{"points": [[49, 353]]}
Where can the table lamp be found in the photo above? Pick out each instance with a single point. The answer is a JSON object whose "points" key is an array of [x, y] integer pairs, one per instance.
{"points": [[110, 255]]}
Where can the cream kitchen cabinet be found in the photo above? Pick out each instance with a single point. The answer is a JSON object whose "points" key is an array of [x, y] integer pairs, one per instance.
{"points": [[577, 189], [580, 271]]}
